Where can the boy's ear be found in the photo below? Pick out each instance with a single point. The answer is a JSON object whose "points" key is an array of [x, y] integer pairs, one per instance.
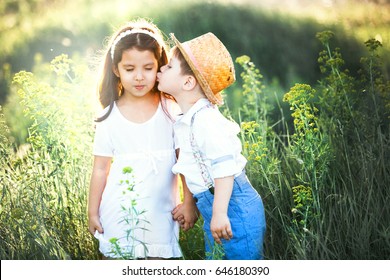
{"points": [[115, 70], [190, 83]]}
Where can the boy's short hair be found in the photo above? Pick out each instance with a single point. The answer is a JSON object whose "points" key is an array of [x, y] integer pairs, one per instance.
{"points": [[185, 67]]}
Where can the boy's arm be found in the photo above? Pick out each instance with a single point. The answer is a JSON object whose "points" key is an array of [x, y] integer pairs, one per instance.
{"points": [[100, 170], [186, 213], [220, 225]]}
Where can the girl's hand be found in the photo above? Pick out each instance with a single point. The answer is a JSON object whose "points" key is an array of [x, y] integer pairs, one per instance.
{"points": [[220, 227], [101, 168], [94, 225], [177, 215]]}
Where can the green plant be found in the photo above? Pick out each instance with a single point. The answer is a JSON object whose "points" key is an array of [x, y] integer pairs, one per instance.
{"points": [[192, 242], [44, 182], [359, 135], [320, 183], [133, 220], [217, 254], [311, 157]]}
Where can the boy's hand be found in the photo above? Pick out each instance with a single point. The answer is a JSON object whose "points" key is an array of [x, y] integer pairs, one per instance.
{"points": [[220, 227], [220, 224]]}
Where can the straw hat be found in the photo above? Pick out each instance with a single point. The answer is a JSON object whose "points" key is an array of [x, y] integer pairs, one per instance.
{"points": [[211, 63]]}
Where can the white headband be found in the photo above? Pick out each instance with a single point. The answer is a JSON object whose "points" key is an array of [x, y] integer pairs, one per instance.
{"points": [[133, 31]]}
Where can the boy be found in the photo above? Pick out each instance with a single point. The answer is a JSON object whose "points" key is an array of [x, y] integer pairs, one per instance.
{"points": [[210, 151]]}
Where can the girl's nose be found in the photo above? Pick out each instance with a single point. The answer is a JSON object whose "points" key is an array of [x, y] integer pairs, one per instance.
{"points": [[139, 76]]}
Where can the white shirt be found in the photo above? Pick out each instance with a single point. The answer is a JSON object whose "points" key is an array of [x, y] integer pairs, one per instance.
{"points": [[218, 143]]}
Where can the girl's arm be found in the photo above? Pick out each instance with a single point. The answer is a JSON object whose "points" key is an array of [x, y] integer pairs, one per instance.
{"points": [[220, 225], [101, 168]]}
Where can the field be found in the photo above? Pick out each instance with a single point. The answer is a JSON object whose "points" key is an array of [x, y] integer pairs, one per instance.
{"points": [[312, 99]]}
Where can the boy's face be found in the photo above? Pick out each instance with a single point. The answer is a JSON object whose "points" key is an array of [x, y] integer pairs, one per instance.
{"points": [[170, 79]]}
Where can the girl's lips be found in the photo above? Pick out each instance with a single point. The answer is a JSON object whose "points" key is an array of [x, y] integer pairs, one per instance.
{"points": [[139, 87]]}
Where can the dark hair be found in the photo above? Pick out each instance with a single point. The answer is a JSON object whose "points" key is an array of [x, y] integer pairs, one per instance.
{"points": [[109, 86], [185, 67]]}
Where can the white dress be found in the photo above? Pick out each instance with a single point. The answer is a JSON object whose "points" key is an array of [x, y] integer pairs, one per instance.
{"points": [[141, 190]]}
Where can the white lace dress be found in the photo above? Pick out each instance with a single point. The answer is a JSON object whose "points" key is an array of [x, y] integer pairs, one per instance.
{"points": [[141, 190]]}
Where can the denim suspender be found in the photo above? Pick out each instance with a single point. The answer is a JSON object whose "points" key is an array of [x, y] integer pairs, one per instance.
{"points": [[208, 181]]}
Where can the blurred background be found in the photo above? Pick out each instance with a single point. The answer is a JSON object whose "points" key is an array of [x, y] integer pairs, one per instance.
{"points": [[278, 35]]}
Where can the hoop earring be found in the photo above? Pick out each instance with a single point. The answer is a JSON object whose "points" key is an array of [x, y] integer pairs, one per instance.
{"points": [[120, 89]]}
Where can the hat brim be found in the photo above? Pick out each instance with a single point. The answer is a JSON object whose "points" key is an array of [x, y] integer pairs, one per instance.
{"points": [[215, 98]]}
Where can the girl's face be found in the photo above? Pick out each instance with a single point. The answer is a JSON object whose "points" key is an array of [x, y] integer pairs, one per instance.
{"points": [[137, 71], [170, 78]]}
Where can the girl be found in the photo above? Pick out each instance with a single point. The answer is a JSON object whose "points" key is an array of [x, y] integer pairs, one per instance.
{"points": [[132, 189], [210, 151]]}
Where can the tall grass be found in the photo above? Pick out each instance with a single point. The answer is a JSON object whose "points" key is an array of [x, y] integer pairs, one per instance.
{"points": [[325, 183], [322, 168], [44, 183]]}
